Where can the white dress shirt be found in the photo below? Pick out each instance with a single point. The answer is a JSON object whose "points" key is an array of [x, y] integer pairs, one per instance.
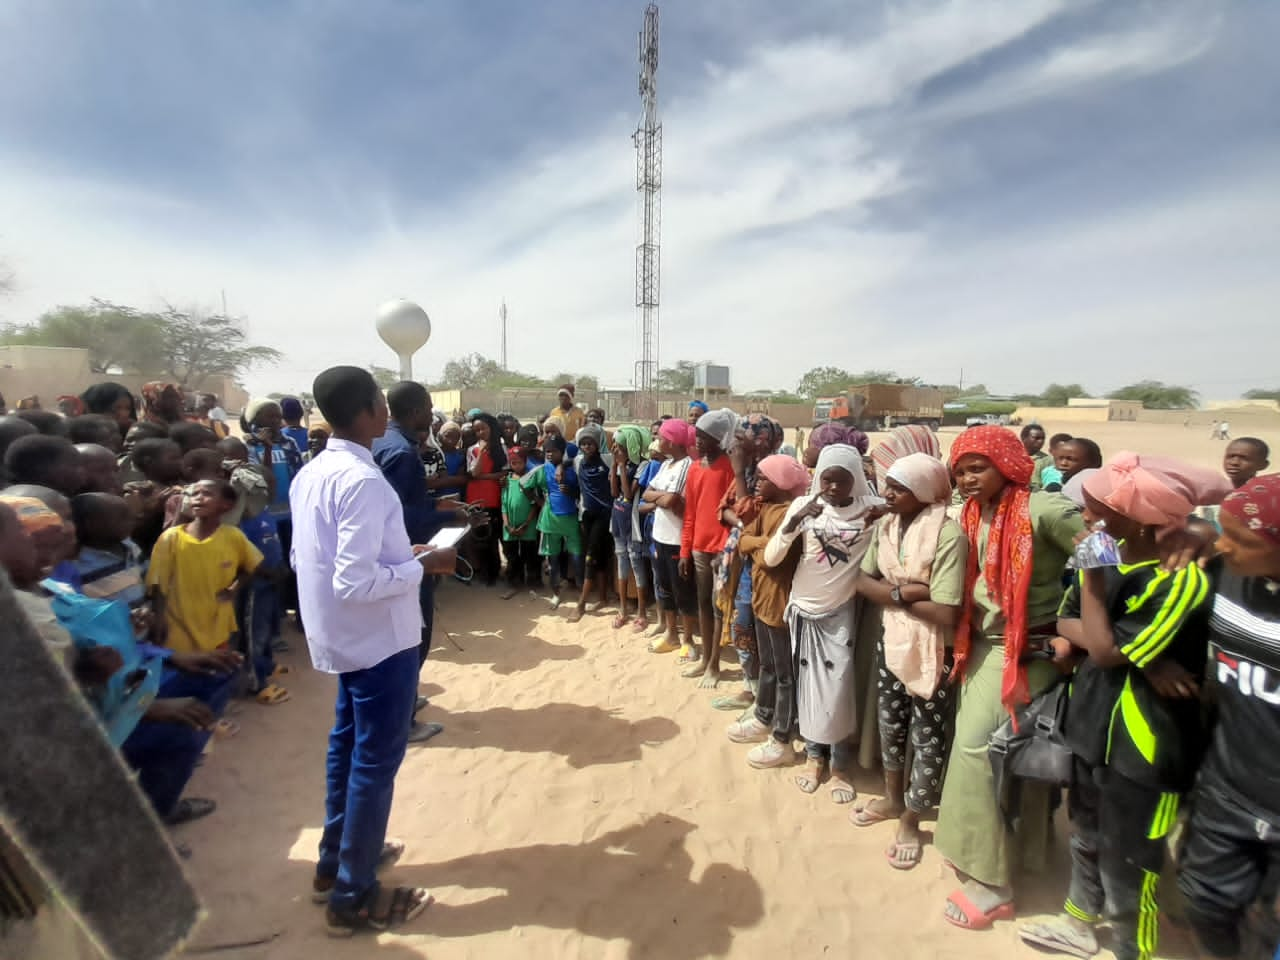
{"points": [[357, 577]]}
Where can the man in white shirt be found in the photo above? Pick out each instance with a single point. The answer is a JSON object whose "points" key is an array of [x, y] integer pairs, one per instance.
{"points": [[358, 580]]}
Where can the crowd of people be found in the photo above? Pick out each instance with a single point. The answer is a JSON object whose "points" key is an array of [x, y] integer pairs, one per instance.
{"points": [[876, 595]]}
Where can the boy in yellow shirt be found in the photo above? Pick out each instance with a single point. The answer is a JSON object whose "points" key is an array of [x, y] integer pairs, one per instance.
{"points": [[197, 569]]}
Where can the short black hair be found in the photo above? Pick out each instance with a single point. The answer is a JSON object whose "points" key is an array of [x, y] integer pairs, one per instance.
{"points": [[406, 398], [148, 430], [28, 459], [343, 393], [1093, 452], [232, 446], [1026, 431], [149, 451], [46, 421], [12, 428], [192, 436], [1058, 438], [195, 461], [92, 428], [1260, 445], [225, 489], [87, 506]]}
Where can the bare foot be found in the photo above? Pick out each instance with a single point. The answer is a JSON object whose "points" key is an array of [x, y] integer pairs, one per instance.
{"points": [[842, 790], [815, 771], [576, 615], [710, 680], [696, 669]]}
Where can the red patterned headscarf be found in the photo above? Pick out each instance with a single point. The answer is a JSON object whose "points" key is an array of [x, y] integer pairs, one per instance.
{"points": [[1006, 567], [1257, 506]]}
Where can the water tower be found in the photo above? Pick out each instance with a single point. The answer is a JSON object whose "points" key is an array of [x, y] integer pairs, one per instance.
{"points": [[405, 328]]}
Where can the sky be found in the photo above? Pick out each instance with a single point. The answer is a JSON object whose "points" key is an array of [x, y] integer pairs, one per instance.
{"points": [[1012, 193]]}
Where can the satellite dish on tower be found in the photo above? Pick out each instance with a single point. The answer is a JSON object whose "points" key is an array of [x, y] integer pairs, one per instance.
{"points": [[405, 328]]}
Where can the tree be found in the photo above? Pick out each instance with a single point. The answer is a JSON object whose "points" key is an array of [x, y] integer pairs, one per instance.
{"points": [[197, 345], [952, 392], [583, 382], [824, 381], [1155, 395], [677, 379], [1057, 394], [1262, 394], [116, 337], [185, 346], [384, 377], [475, 371]]}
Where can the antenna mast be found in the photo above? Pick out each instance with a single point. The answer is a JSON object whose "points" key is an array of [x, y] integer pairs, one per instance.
{"points": [[648, 143], [502, 320]]}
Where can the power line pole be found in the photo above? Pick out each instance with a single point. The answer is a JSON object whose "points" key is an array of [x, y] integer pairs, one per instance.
{"points": [[648, 143], [502, 319]]}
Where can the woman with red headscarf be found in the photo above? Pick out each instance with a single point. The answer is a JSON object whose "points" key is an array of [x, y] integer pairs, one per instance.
{"points": [[1233, 846], [1018, 548]]}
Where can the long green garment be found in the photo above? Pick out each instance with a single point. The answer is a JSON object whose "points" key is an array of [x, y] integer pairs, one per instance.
{"points": [[971, 831]]}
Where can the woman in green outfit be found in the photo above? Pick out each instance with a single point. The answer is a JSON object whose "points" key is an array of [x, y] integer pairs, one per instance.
{"points": [[1019, 543]]}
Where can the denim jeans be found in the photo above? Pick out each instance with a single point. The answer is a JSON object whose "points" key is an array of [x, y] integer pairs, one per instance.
{"points": [[367, 744], [260, 615], [165, 754], [840, 754], [776, 696]]}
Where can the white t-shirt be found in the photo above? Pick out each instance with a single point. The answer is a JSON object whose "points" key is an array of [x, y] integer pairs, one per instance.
{"points": [[217, 413], [670, 478]]}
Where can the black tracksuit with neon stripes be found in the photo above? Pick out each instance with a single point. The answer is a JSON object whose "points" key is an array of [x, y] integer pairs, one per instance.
{"points": [[1136, 752]]}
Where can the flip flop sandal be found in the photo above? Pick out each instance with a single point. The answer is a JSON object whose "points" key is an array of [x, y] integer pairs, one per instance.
{"points": [[916, 849], [807, 782], [1059, 938], [866, 817], [406, 904], [280, 671], [975, 919], [842, 791], [190, 808], [225, 729], [619, 622], [730, 703], [639, 626], [662, 646], [273, 694], [392, 851]]}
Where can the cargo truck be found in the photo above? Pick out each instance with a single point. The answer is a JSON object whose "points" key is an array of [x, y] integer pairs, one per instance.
{"points": [[882, 406]]}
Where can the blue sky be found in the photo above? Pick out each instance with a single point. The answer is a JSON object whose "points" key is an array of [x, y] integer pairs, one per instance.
{"points": [[1047, 190]]}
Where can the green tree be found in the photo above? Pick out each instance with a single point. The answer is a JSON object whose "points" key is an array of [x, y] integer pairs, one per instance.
{"points": [[1057, 394], [1155, 395], [385, 377], [823, 382], [197, 345], [116, 337], [951, 391], [677, 379], [582, 382], [1261, 393], [475, 371]]}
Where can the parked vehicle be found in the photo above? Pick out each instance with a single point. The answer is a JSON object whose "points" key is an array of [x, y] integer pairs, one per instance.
{"points": [[882, 406]]}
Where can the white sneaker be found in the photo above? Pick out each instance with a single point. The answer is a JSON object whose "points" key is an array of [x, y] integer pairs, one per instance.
{"points": [[770, 754], [750, 730]]}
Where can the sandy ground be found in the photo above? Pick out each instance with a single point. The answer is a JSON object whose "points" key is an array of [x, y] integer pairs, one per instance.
{"points": [[582, 803]]}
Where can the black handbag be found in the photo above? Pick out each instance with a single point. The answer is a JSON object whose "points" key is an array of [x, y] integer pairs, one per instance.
{"points": [[1034, 748]]}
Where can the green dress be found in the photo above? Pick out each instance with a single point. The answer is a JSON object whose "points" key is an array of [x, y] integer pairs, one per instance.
{"points": [[971, 833]]}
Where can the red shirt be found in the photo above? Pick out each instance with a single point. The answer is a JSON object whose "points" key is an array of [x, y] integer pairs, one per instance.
{"points": [[487, 493], [703, 532]]}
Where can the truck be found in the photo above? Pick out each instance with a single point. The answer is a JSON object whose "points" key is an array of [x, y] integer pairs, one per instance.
{"points": [[882, 406]]}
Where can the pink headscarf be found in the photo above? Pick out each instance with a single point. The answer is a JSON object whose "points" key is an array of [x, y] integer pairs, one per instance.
{"points": [[785, 473], [1157, 491], [678, 432], [925, 476]]}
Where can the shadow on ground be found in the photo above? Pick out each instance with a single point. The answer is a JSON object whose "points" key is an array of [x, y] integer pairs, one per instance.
{"points": [[634, 884], [583, 735]]}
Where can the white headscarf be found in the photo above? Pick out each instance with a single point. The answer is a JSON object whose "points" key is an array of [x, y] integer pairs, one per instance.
{"points": [[847, 458], [925, 476], [719, 424]]}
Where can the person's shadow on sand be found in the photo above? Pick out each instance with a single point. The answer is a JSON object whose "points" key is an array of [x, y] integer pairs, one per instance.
{"points": [[635, 884], [584, 735], [505, 654]]}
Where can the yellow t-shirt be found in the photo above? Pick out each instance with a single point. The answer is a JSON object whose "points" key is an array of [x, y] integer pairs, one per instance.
{"points": [[190, 573]]}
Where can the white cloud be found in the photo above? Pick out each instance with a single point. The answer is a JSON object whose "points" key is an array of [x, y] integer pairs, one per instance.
{"points": [[772, 166]]}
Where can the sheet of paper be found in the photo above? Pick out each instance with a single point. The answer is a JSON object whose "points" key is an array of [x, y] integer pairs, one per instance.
{"points": [[448, 536]]}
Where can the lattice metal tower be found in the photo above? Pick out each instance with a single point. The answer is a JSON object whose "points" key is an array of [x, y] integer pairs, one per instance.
{"points": [[648, 142]]}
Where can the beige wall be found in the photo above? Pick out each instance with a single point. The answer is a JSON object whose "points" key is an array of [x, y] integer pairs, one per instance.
{"points": [[49, 372]]}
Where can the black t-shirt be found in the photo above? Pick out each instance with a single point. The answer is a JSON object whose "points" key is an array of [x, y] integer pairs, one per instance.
{"points": [[1115, 716], [1244, 755]]}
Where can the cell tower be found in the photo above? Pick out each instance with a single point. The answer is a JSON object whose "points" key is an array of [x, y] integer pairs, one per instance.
{"points": [[648, 141], [502, 322]]}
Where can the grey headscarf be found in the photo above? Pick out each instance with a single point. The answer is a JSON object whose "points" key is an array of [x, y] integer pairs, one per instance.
{"points": [[720, 424]]}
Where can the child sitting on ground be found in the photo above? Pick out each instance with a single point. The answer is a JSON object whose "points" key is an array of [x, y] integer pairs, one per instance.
{"points": [[197, 569]]}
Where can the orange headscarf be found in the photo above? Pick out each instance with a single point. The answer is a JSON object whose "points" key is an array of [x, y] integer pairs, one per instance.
{"points": [[1007, 564]]}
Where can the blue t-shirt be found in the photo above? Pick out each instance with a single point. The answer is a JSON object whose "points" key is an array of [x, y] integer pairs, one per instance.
{"points": [[263, 532], [397, 456], [455, 463], [561, 505], [299, 437], [593, 478], [286, 461]]}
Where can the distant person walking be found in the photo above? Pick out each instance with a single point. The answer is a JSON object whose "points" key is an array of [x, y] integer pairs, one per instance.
{"points": [[358, 583]]}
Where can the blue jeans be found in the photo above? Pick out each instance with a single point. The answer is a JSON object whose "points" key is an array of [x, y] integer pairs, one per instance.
{"points": [[261, 613], [165, 754], [367, 744]]}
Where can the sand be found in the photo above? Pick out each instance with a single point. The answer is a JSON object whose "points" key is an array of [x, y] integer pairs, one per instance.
{"points": [[583, 802]]}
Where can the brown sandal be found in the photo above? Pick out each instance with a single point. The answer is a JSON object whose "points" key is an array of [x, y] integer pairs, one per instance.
{"points": [[321, 886], [405, 904]]}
